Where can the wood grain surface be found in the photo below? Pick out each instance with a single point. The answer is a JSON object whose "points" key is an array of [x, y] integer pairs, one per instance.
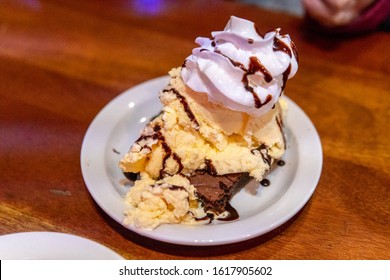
{"points": [[61, 62]]}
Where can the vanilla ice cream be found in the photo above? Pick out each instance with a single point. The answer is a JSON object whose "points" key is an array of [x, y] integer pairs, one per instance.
{"points": [[222, 113], [170, 200]]}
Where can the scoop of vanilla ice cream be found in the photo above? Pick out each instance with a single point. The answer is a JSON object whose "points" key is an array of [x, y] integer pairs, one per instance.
{"points": [[170, 200], [191, 132], [241, 69]]}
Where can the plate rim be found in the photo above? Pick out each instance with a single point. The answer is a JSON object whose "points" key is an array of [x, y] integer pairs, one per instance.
{"points": [[27, 242], [158, 83]]}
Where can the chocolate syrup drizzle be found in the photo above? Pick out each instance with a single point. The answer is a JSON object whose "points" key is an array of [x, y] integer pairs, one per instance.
{"points": [[185, 105], [263, 149], [265, 182], [256, 66], [231, 216], [280, 125], [210, 168], [279, 45], [157, 135], [176, 188]]}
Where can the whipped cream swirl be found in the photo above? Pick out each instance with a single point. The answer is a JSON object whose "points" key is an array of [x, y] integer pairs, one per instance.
{"points": [[241, 69]]}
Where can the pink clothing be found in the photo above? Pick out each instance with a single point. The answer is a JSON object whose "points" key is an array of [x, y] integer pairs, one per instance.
{"points": [[369, 20]]}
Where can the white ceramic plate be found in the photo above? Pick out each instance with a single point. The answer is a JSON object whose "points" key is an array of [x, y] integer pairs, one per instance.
{"points": [[261, 209], [52, 246]]}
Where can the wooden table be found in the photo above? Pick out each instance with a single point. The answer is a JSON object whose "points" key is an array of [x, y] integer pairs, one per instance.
{"points": [[61, 62]]}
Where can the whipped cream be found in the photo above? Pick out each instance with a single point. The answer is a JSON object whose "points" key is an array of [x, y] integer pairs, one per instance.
{"points": [[241, 69]]}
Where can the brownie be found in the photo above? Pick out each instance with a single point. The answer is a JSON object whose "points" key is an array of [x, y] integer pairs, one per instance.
{"points": [[215, 192]]}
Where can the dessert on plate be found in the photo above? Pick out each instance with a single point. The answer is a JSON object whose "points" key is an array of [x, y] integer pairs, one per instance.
{"points": [[221, 125]]}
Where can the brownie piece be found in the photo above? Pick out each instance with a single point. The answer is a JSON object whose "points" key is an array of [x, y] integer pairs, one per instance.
{"points": [[215, 192]]}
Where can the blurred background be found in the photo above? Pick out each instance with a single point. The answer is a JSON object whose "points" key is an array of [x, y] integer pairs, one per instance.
{"points": [[293, 7]]}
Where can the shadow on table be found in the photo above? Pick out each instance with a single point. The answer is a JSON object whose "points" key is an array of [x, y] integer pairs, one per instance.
{"points": [[198, 251]]}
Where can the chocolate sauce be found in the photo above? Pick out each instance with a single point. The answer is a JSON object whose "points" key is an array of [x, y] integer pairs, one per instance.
{"points": [[176, 188], [281, 162], [233, 214], [279, 45], [210, 168], [157, 135], [280, 125], [168, 154], [185, 105], [265, 182], [256, 66], [131, 175], [264, 154], [157, 128], [209, 216], [285, 78], [295, 51], [155, 116], [233, 62]]}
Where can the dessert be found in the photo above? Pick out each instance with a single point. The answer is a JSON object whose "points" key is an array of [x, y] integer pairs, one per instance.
{"points": [[221, 125]]}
